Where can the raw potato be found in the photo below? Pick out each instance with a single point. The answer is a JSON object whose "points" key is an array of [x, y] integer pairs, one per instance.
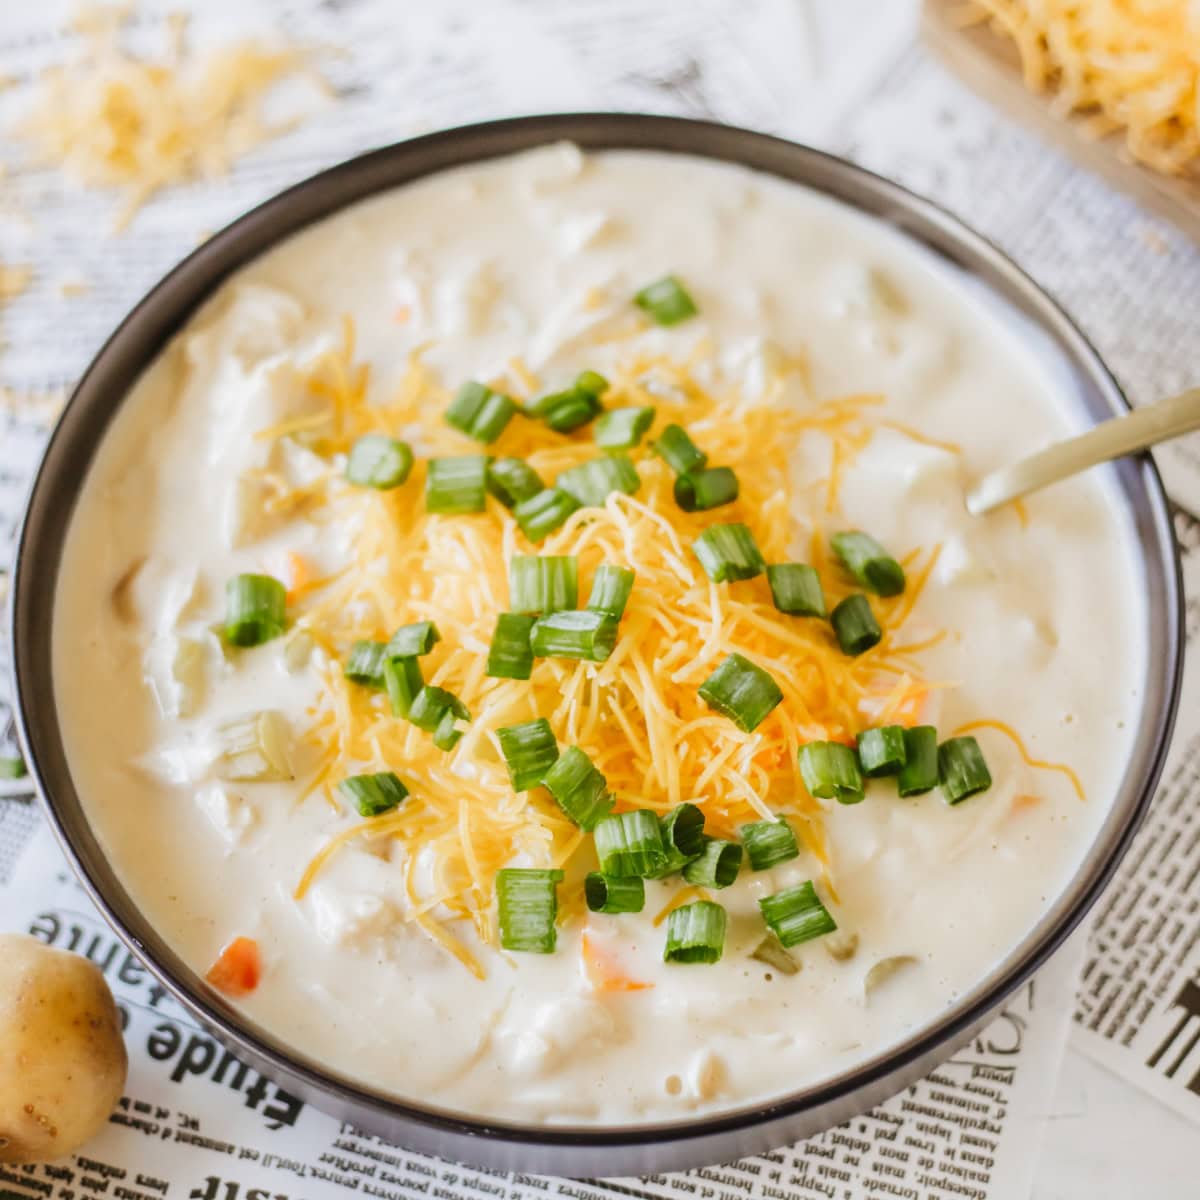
{"points": [[62, 1059]]}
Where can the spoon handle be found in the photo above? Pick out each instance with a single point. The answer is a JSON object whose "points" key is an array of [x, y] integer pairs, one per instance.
{"points": [[1158, 422]]}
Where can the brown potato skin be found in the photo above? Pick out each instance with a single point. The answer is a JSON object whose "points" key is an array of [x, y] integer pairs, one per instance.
{"points": [[62, 1057]]}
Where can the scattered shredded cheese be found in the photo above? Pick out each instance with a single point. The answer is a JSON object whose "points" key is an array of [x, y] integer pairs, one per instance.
{"points": [[1131, 65], [637, 715]]}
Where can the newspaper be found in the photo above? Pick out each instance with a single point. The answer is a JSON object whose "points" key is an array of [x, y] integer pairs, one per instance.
{"points": [[847, 75]]}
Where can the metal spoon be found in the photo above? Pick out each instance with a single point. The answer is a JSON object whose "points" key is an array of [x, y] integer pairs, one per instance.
{"points": [[1158, 422]]}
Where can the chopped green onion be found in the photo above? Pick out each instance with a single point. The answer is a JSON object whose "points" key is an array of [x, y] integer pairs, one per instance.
{"points": [[768, 843], [717, 865], [529, 750], [581, 791], [591, 382], [666, 300], [869, 563], [630, 843], [611, 588], [373, 794], [830, 772], [253, 748], [527, 900], [447, 734], [365, 663], [542, 583], [855, 625], [796, 915], [541, 515], [480, 412], [695, 933], [411, 641], [698, 491], [512, 480], [770, 953], [728, 552], [920, 771], [678, 450], [592, 482], [623, 428], [509, 655], [962, 770], [796, 589], [431, 704], [614, 893], [12, 766], [881, 751], [741, 691], [402, 678], [379, 461], [574, 633], [683, 830], [255, 609], [457, 484]]}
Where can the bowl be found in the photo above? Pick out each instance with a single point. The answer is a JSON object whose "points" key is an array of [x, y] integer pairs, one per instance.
{"points": [[563, 1149]]}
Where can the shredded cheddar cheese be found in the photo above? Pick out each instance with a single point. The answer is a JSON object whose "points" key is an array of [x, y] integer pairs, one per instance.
{"points": [[637, 715], [135, 125], [1038, 764], [1131, 65]]}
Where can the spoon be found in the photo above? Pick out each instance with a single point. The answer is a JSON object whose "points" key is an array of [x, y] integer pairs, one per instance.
{"points": [[1144, 427]]}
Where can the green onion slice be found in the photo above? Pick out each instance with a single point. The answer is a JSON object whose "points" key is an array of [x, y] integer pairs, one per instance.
{"points": [[768, 843], [869, 563], [623, 428], [574, 633], [512, 480], [855, 625], [695, 933], [591, 382], [698, 491], [614, 893], [630, 843], [12, 766], [796, 915], [365, 663], [920, 771], [411, 641], [543, 583], [447, 734], [479, 412], [373, 794], [611, 589], [796, 589], [683, 837], [770, 953], [962, 770], [577, 405], [830, 772], [529, 750], [717, 865], [666, 301], [581, 790], [541, 515], [591, 483], [457, 484], [527, 900], [431, 704], [402, 679], [678, 450], [379, 461], [509, 655], [741, 691], [881, 751], [728, 552], [255, 609]]}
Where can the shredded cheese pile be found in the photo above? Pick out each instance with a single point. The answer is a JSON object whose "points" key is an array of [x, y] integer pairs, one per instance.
{"points": [[638, 715], [136, 125], [1131, 65]]}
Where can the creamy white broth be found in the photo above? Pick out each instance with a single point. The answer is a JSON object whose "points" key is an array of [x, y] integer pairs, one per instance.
{"points": [[501, 259]]}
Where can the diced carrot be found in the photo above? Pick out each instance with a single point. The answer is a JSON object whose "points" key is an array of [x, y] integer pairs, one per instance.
{"points": [[238, 968], [602, 972], [1025, 800], [298, 572]]}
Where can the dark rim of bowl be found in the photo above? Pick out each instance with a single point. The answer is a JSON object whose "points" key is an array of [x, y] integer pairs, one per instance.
{"points": [[144, 332]]}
